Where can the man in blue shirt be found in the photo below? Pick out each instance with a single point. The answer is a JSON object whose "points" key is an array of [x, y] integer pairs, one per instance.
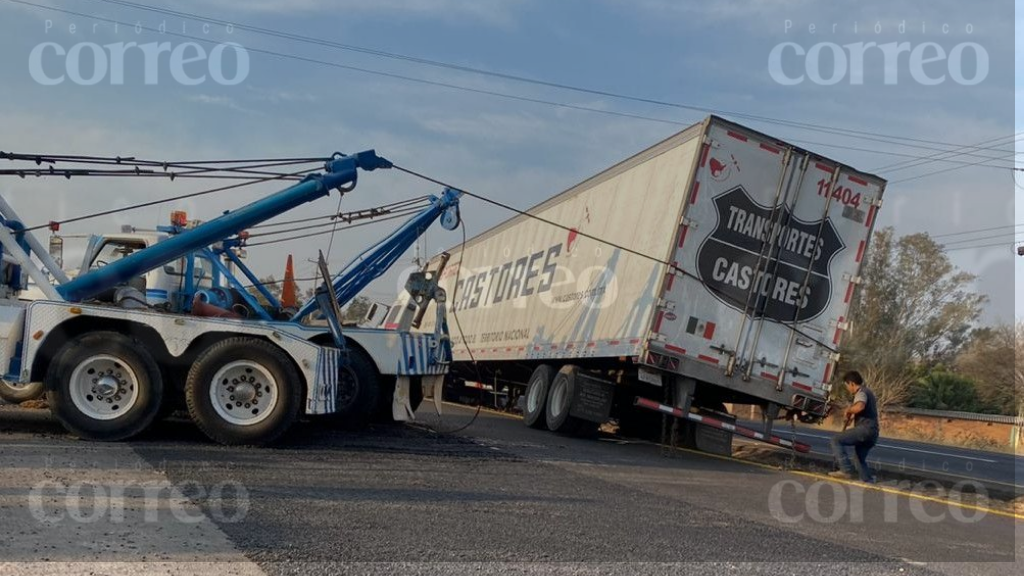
{"points": [[862, 435]]}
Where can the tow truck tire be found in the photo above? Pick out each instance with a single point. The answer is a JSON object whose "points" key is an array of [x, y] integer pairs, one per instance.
{"points": [[243, 391], [536, 398], [104, 386], [560, 396], [18, 393], [359, 393]]}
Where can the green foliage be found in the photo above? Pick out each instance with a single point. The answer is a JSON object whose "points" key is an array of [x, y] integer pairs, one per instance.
{"points": [[913, 306], [989, 360], [913, 310], [943, 390]]}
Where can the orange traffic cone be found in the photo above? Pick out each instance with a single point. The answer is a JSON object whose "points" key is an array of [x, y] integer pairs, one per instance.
{"points": [[288, 288]]}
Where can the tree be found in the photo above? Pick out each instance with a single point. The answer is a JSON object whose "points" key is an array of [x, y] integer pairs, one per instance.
{"points": [[1018, 369], [943, 390], [913, 307], [357, 309], [990, 361], [272, 286]]}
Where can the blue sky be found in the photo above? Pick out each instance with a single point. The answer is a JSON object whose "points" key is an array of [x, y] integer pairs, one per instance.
{"points": [[712, 54]]}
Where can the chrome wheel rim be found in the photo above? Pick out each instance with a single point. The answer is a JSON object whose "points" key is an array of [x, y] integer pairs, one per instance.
{"points": [[244, 393], [103, 387]]}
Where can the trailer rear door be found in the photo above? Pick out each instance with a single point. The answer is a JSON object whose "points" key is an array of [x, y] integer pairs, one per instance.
{"points": [[775, 236]]}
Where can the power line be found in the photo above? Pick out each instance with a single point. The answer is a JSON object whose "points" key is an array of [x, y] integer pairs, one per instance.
{"points": [[966, 232], [324, 232], [944, 170], [1011, 233], [935, 157], [348, 216], [303, 38], [164, 200], [367, 216], [993, 245], [676, 105]]}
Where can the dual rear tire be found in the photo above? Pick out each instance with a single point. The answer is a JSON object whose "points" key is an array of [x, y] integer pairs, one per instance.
{"points": [[106, 386], [548, 403]]}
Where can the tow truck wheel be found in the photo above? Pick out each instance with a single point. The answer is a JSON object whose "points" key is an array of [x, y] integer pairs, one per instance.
{"points": [[359, 392], [243, 391], [104, 386], [18, 393], [537, 396]]}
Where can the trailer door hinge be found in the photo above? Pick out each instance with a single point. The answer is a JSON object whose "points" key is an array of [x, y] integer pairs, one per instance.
{"points": [[666, 304], [852, 279]]}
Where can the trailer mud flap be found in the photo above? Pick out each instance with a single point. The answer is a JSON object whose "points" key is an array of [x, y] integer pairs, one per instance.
{"points": [[592, 399]]}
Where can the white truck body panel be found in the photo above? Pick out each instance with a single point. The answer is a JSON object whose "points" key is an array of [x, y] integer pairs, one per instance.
{"points": [[30, 323], [703, 200]]}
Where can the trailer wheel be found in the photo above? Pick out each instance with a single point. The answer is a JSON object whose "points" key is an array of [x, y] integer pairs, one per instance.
{"points": [[560, 396], [18, 393], [243, 391], [537, 396], [104, 386]]}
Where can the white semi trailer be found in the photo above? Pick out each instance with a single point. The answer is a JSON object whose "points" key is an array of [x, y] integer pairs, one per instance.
{"points": [[714, 267]]}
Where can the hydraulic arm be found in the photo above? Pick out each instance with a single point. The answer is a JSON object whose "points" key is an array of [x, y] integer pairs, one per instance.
{"points": [[376, 260], [339, 172]]}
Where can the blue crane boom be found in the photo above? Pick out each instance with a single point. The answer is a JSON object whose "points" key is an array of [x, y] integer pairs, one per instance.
{"points": [[339, 172], [374, 261]]}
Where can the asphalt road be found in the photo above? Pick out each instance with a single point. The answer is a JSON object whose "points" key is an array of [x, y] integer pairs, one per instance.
{"points": [[993, 468], [494, 498]]}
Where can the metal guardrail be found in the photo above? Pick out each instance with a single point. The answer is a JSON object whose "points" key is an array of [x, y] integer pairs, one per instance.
{"points": [[974, 416]]}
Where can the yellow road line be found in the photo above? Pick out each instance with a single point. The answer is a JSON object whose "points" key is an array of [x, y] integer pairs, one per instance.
{"points": [[875, 487], [889, 490], [884, 466]]}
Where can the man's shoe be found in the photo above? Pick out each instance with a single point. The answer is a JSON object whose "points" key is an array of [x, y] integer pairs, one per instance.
{"points": [[841, 475]]}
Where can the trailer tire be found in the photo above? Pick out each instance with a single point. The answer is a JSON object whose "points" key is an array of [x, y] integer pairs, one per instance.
{"points": [[18, 393], [559, 403], [228, 381], [132, 386], [536, 399]]}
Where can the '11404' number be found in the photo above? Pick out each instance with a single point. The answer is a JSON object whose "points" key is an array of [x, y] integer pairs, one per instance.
{"points": [[840, 194]]}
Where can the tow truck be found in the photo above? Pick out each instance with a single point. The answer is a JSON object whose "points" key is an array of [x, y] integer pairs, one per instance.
{"points": [[111, 361]]}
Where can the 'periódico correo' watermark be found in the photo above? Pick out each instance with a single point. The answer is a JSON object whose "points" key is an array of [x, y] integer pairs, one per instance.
{"points": [[51, 64], [928, 63]]}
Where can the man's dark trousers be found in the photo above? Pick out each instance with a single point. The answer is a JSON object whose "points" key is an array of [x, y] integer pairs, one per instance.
{"points": [[863, 439]]}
